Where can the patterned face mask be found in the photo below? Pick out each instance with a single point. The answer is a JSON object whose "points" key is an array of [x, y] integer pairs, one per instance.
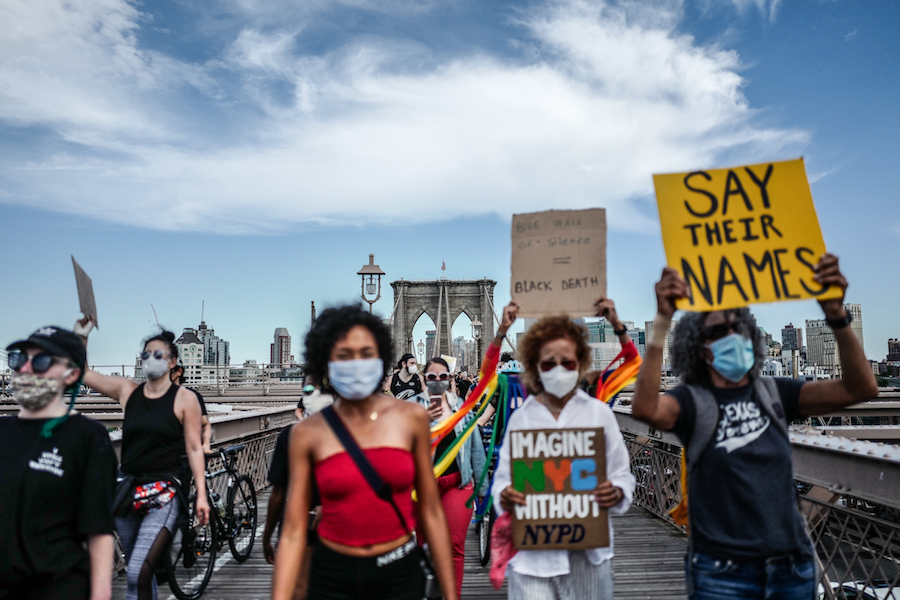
{"points": [[34, 392]]}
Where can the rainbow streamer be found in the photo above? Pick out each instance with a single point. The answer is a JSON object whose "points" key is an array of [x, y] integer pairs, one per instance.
{"points": [[613, 381]]}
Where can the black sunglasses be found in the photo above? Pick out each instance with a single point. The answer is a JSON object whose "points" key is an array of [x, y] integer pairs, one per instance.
{"points": [[437, 376], [715, 332], [40, 363], [568, 365], [157, 354]]}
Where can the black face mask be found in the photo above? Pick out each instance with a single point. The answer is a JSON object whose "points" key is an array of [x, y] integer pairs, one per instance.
{"points": [[436, 388]]}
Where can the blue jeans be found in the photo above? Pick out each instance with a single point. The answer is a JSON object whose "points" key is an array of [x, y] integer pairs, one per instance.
{"points": [[777, 578]]}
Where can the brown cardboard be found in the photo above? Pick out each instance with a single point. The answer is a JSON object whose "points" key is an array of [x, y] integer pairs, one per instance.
{"points": [[558, 262], [85, 293], [566, 531]]}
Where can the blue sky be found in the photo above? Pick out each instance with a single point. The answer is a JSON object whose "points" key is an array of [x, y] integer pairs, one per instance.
{"points": [[252, 154]]}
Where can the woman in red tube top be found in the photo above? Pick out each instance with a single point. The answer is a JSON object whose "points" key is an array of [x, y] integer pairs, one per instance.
{"points": [[364, 550]]}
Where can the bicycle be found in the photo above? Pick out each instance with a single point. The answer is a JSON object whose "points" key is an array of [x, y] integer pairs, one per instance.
{"points": [[192, 555]]}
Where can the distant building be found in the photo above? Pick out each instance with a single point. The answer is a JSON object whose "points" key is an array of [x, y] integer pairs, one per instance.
{"points": [[249, 373], [791, 337], [215, 349], [280, 349], [429, 345], [893, 355], [190, 351], [821, 347], [773, 368]]}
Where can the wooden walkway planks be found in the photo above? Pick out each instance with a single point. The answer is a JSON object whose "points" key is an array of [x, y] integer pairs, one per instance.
{"points": [[648, 565]]}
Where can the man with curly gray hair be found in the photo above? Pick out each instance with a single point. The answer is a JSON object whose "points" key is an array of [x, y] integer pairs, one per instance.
{"points": [[747, 538]]}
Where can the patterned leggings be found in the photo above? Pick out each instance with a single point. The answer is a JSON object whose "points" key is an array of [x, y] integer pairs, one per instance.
{"points": [[145, 538]]}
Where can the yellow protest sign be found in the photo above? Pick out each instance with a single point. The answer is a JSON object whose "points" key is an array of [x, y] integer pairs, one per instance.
{"points": [[743, 235]]}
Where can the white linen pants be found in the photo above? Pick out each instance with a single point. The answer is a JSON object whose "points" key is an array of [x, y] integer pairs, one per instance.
{"points": [[584, 581]]}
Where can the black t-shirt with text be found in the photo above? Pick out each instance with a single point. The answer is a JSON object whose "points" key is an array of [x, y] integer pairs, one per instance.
{"points": [[54, 494], [741, 494]]}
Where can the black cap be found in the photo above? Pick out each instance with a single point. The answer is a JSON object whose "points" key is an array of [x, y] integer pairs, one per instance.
{"points": [[57, 342]]}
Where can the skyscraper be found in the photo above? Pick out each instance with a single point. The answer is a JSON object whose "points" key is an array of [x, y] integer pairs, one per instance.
{"points": [[280, 349], [215, 349], [791, 337]]}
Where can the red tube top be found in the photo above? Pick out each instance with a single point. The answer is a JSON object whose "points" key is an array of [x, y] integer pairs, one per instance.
{"points": [[351, 512]]}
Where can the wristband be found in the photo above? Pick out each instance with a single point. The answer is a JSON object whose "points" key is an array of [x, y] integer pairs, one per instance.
{"points": [[622, 331], [836, 324], [661, 324]]}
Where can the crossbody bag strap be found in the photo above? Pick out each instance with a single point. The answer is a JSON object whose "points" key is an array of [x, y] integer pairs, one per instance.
{"points": [[381, 489]]}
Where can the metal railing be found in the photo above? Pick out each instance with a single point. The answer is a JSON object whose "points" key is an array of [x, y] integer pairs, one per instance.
{"points": [[253, 460], [857, 543]]}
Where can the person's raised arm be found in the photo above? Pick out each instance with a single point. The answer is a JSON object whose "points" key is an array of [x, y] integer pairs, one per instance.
{"points": [[430, 511], [858, 382], [648, 405], [510, 311], [187, 409], [606, 308], [117, 388], [292, 540]]}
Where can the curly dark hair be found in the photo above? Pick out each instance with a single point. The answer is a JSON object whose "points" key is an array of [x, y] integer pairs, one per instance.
{"points": [[330, 326], [547, 330], [167, 338], [688, 341]]}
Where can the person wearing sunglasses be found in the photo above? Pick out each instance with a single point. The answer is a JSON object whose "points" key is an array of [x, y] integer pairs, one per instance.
{"points": [[365, 547], [733, 424], [161, 424], [555, 355], [456, 483], [58, 472]]}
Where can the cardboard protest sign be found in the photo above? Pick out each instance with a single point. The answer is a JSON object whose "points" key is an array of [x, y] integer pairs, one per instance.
{"points": [[742, 236], [85, 293], [558, 469], [558, 262]]}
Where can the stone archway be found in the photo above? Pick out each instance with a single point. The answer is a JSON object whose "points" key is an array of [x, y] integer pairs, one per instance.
{"points": [[443, 300]]}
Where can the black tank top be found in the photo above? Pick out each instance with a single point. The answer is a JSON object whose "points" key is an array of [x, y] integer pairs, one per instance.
{"points": [[152, 436], [405, 389]]}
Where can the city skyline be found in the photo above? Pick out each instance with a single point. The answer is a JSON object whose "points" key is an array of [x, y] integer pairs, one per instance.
{"points": [[253, 156]]}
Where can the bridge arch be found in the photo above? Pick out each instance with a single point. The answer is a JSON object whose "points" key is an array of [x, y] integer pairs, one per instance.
{"points": [[443, 300]]}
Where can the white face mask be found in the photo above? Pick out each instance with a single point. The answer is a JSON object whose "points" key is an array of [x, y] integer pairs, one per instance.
{"points": [[355, 379], [154, 368], [413, 369], [559, 381]]}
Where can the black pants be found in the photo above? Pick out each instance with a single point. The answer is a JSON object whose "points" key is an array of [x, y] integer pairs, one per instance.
{"points": [[72, 585], [336, 576]]}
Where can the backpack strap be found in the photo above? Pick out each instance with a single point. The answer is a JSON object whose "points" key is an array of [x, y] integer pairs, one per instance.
{"points": [[770, 400], [706, 417]]}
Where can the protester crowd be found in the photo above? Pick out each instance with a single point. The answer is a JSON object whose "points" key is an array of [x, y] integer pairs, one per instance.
{"points": [[355, 500]]}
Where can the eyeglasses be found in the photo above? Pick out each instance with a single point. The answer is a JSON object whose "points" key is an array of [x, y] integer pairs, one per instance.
{"points": [[40, 363], [437, 376], [715, 332], [568, 365], [157, 354]]}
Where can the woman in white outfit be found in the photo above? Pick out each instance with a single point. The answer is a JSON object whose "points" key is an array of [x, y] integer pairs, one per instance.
{"points": [[556, 355]]}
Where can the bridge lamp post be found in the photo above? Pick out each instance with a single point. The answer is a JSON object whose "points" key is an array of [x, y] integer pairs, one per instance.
{"points": [[421, 348], [371, 281], [476, 333]]}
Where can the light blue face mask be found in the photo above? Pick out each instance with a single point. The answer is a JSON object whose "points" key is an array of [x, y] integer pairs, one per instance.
{"points": [[356, 379], [733, 356]]}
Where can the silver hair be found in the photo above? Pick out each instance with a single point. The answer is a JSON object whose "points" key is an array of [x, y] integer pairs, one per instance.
{"points": [[688, 341]]}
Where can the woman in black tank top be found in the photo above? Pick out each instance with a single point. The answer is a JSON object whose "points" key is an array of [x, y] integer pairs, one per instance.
{"points": [[161, 426]]}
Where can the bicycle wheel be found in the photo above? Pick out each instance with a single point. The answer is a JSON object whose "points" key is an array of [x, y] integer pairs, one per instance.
{"points": [[483, 530], [240, 518], [192, 555]]}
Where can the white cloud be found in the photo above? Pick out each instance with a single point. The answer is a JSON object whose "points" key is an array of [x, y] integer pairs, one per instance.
{"points": [[609, 95]]}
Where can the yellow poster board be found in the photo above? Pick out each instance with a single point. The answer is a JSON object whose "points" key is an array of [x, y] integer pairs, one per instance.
{"points": [[743, 235]]}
